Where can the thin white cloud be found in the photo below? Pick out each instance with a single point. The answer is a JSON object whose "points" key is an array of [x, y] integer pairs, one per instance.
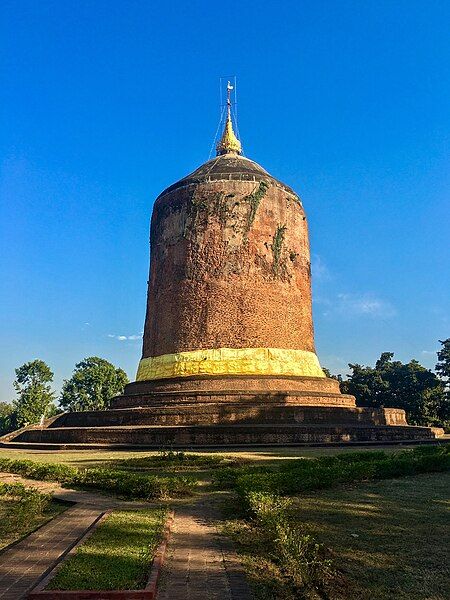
{"points": [[364, 305], [123, 338], [429, 352], [336, 364], [320, 271], [357, 305]]}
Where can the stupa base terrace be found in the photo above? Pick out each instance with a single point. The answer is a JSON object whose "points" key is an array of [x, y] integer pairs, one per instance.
{"points": [[226, 411]]}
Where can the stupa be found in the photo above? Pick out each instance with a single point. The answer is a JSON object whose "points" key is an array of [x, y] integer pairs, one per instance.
{"points": [[228, 349]]}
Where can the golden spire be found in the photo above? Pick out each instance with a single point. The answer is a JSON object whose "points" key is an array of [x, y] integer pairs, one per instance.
{"points": [[229, 144]]}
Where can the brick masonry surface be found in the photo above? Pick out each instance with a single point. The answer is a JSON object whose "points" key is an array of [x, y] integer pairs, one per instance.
{"points": [[230, 268], [22, 565], [201, 564]]}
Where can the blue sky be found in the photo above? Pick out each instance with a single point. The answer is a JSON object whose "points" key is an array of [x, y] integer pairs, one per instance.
{"points": [[105, 103]]}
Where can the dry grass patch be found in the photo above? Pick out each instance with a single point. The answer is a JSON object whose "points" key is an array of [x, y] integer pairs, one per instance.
{"points": [[386, 539], [389, 537]]}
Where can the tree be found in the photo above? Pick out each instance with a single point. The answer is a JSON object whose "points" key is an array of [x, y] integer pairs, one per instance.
{"points": [[366, 384], [443, 371], [329, 374], [7, 418], [35, 397], [443, 364], [393, 384], [93, 383]]}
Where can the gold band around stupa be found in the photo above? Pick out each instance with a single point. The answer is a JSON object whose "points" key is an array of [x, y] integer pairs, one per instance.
{"points": [[231, 361]]}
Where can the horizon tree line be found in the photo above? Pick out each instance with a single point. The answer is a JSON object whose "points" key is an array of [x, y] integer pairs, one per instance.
{"points": [[94, 382]]}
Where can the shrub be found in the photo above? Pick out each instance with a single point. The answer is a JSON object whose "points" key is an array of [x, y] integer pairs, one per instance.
{"points": [[25, 495], [329, 471], [130, 485], [225, 479], [41, 471], [133, 485], [24, 506], [302, 559], [171, 460], [268, 509]]}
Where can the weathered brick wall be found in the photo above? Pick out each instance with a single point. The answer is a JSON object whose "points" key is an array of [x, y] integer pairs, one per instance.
{"points": [[252, 411], [230, 268]]}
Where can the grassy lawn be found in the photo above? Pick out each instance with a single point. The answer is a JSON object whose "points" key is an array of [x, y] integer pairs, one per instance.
{"points": [[388, 539], [96, 458], [117, 556], [351, 532], [197, 468], [20, 514]]}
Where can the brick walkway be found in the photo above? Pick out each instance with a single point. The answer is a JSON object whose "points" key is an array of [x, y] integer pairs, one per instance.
{"points": [[22, 565], [201, 564]]}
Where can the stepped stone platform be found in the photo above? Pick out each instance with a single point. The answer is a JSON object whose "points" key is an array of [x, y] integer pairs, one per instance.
{"points": [[227, 411]]}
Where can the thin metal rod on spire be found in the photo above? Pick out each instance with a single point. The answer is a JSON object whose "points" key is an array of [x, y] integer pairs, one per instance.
{"points": [[229, 143], [217, 133], [229, 88]]}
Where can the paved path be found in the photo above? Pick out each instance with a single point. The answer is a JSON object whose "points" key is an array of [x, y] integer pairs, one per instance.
{"points": [[201, 564], [23, 565]]}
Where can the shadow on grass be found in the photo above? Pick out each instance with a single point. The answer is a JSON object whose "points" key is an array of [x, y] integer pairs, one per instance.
{"points": [[388, 536]]}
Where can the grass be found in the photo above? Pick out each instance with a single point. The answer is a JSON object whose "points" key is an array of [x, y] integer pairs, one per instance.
{"points": [[94, 458], [348, 531], [387, 539], [330, 471], [117, 556], [122, 483], [285, 556], [199, 474], [22, 510]]}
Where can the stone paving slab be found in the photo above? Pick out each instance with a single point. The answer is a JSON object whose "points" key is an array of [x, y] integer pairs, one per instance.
{"points": [[22, 565], [201, 564]]}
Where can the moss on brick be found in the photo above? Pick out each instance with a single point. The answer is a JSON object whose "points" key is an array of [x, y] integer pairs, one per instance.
{"points": [[254, 200], [277, 246]]}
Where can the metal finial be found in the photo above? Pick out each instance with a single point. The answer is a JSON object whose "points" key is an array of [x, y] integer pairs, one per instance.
{"points": [[229, 144]]}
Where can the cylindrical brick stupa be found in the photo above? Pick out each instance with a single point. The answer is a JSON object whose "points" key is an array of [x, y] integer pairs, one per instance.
{"points": [[230, 280], [228, 351], [229, 297]]}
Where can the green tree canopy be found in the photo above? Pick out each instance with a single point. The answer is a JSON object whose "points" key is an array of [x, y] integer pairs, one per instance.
{"points": [[34, 394], [7, 418], [393, 384], [443, 371], [443, 364], [93, 383]]}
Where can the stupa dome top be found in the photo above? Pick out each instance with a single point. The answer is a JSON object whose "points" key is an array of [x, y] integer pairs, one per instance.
{"points": [[229, 164], [232, 167]]}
